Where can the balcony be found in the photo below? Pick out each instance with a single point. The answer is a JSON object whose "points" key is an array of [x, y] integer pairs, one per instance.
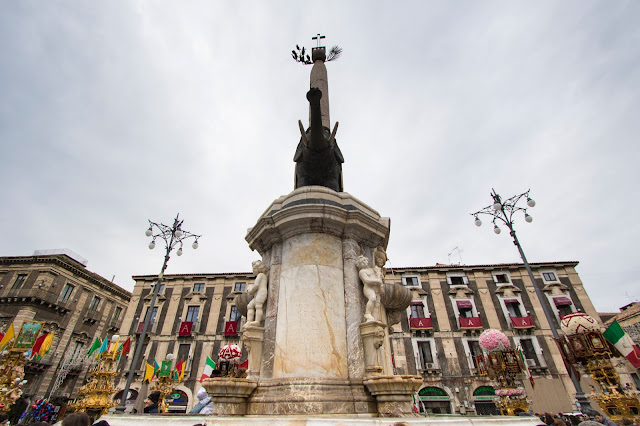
{"points": [[470, 323], [522, 323], [92, 317], [421, 323]]}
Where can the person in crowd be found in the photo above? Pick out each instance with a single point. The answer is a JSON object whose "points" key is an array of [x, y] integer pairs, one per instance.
{"points": [[204, 405], [604, 420], [76, 419], [151, 403], [626, 421], [16, 409]]}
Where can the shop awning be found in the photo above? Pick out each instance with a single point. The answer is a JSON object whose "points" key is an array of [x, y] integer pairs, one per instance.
{"points": [[464, 304]]}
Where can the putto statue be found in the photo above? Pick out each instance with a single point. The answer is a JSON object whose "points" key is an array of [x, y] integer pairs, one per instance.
{"points": [[318, 158], [259, 292], [372, 285]]}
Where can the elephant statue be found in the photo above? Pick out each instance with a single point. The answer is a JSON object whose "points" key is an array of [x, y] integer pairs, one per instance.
{"points": [[318, 158]]}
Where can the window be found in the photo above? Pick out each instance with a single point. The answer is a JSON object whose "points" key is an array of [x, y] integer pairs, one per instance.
{"points": [[94, 303], [66, 293], [457, 280], [466, 312], [513, 308], [192, 313], [529, 351], [77, 350], [425, 354], [19, 281], [183, 353], [474, 349], [501, 278], [235, 315], [411, 281], [239, 287], [198, 287], [564, 310], [153, 314], [417, 310], [549, 276], [116, 314]]}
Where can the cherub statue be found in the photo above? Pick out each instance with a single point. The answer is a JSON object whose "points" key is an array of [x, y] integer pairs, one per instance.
{"points": [[372, 282], [259, 292]]}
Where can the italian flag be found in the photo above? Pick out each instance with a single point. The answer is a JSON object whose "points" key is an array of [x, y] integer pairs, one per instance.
{"points": [[623, 343], [208, 369]]}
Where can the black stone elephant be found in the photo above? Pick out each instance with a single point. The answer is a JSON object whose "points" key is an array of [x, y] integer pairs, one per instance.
{"points": [[318, 158]]}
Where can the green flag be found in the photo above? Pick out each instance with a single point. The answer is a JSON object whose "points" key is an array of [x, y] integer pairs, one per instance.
{"points": [[96, 345], [165, 369]]}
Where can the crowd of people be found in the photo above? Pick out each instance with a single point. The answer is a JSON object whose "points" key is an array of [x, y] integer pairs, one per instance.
{"points": [[592, 418]]}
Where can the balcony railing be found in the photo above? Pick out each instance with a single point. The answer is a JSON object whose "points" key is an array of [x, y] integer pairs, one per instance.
{"points": [[471, 323], [522, 322], [421, 323]]}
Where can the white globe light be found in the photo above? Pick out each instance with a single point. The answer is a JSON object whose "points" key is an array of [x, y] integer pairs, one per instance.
{"points": [[497, 230], [148, 232], [530, 202], [169, 357], [528, 218], [179, 252], [178, 233], [152, 245], [478, 222], [115, 338], [497, 206], [194, 245]]}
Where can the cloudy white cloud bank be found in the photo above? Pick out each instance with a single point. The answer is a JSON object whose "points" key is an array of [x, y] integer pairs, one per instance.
{"points": [[113, 113]]}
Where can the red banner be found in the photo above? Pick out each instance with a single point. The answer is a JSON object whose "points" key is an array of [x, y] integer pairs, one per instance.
{"points": [[423, 323], [522, 322], [185, 328], [140, 327], [473, 322], [231, 328]]}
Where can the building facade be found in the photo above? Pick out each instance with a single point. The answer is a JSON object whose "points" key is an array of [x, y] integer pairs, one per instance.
{"points": [[629, 320], [193, 317], [436, 338], [74, 303]]}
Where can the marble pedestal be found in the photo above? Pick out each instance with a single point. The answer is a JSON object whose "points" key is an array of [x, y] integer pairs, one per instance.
{"points": [[229, 395], [312, 353], [394, 394], [253, 335]]}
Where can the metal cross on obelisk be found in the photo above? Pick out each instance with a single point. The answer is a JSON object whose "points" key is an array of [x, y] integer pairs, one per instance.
{"points": [[318, 38]]}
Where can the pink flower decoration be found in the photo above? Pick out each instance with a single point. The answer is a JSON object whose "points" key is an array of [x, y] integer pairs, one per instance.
{"points": [[492, 340]]}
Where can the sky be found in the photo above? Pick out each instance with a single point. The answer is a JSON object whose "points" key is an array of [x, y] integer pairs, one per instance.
{"points": [[116, 112]]}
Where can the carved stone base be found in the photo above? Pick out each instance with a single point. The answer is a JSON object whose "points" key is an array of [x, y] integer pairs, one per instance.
{"points": [[394, 394], [229, 395], [253, 335], [373, 335], [312, 396]]}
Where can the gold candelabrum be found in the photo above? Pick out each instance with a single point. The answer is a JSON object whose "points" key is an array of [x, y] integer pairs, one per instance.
{"points": [[12, 362], [504, 367], [96, 393], [167, 380], [592, 351]]}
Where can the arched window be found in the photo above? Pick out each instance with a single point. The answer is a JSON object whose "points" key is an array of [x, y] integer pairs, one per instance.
{"points": [[178, 401], [433, 400], [483, 399]]}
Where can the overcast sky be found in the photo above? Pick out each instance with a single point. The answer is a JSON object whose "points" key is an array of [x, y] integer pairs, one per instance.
{"points": [[115, 112]]}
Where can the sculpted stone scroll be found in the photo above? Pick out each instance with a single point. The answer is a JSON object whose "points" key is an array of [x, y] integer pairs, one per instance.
{"points": [[259, 291]]}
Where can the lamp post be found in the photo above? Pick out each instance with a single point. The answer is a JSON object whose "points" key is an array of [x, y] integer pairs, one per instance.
{"points": [[173, 237], [503, 211]]}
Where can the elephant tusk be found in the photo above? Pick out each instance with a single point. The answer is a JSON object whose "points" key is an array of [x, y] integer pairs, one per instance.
{"points": [[303, 133], [332, 139]]}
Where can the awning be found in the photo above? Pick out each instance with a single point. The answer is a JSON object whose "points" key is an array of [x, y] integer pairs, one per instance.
{"points": [[562, 301], [515, 301], [464, 304]]}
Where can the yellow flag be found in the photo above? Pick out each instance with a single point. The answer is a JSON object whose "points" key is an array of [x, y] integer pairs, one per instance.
{"points": [[114, 349], [46, 345], [148, 374], [10, 334]]}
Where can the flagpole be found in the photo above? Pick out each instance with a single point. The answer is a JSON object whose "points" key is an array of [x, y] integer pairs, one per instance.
{"points": [[172, 236]]}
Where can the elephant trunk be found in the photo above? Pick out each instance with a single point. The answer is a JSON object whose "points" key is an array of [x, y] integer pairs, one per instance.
{"points": [[317, 139]]}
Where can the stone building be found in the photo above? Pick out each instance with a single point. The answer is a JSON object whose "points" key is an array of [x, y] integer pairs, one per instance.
{"points": [[77, 305], [451, 306], [193, 317], [436, 338]]}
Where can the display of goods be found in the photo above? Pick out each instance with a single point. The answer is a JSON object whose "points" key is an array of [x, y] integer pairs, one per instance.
{"points": [[492, 340]]}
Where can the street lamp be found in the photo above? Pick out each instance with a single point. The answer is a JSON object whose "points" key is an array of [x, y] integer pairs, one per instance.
{"points": [[504, 211], [173, 237]]}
